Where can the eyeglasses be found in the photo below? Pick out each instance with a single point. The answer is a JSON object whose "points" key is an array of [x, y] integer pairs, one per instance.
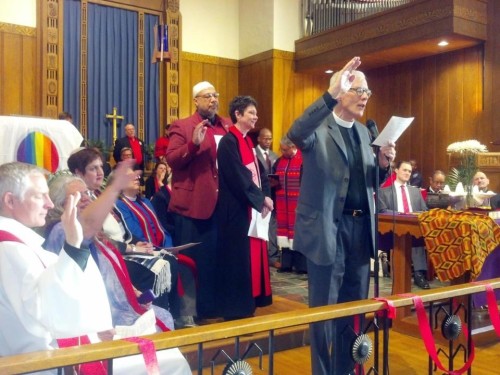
{"points": [[361, 90], [214, 95]]}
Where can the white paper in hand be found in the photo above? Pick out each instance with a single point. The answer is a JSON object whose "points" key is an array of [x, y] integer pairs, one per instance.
{"points": [[393, 130], [259, 226]]}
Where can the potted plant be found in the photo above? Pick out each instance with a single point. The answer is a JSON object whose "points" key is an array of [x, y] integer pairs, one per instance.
{"points": [[149, 150], [99, 144]]}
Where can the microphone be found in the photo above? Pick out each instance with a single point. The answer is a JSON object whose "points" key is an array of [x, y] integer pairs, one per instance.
{"points": [[372, 129]]}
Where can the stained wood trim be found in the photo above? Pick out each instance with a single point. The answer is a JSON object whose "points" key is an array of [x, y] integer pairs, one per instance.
{"points": [[150, 6], [207, 59], [17, 29]]}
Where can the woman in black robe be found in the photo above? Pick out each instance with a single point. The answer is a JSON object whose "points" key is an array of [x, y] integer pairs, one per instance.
{"points": [[243, 269]]}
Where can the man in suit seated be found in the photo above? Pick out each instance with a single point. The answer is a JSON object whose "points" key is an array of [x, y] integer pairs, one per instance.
{"points": [[436, 182], [401, 197]]}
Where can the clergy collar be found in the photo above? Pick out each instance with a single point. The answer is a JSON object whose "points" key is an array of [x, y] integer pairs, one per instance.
{"points": [[343, 123]]}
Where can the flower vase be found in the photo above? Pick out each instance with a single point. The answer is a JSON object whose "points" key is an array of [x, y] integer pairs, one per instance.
{"points": [[469, 199]]}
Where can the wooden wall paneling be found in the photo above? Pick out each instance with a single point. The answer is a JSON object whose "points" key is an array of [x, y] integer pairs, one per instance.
{"points": [[283, 91], [18, 83], [441, 114], [221, 72], [256, 79], [473, 94], [12, 87], [491, 117], [429, 149], [457, 131], [417, 92], [29, 77]]}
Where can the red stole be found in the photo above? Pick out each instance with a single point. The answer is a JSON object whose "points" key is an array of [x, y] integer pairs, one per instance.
{"points": [[153, 233], [287, 196], [135, 145], [258, 248]]}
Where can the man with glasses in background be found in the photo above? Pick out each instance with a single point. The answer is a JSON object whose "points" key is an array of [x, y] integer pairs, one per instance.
{"points": [[436, 182], [191, 154]]}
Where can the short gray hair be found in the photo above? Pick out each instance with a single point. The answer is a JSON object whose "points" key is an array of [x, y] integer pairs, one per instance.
{"points": [[286, 141], [57, 194], [14, 178]]}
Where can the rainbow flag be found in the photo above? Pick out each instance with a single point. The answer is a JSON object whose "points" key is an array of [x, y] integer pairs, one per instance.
{"points": [[44, 142]]}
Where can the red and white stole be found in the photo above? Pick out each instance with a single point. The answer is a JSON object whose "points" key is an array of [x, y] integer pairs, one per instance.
{"points": [[258, 247], [154, 235]]}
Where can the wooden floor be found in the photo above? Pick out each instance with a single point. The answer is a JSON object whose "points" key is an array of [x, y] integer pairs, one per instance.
{"points": [[407, 355]]}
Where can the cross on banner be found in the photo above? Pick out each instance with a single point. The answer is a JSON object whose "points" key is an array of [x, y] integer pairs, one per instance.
{"points": [[114, 116]]}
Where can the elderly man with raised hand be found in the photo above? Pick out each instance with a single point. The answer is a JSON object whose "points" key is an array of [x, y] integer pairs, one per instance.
{"points": [[36, 305], [192, 155], [334, 227]]}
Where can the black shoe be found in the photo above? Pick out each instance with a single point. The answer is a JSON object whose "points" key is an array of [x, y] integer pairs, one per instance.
{"points": [[420, 280], [284, 269]]}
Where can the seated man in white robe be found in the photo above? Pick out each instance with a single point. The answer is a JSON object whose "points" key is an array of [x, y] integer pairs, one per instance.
{"points": [[36, 305]]}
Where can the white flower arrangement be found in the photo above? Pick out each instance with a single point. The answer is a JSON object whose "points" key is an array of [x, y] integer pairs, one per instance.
{"points": [[471, 146], [467, 167]]}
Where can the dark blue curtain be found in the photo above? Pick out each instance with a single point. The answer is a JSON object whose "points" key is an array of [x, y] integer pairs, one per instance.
{"points": [[112, 69], [71, 65], [151, 83]]}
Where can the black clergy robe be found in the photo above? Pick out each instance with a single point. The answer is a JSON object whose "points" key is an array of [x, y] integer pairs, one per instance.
{"points": [[235, 267]]}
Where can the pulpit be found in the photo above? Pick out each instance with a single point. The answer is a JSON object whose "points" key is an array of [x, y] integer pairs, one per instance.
{"points": [[406, 229]]}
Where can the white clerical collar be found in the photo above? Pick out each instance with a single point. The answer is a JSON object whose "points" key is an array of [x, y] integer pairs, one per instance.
{"points": [[343, 123]]}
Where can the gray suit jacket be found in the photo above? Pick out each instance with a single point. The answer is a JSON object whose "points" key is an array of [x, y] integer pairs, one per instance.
{"points": [[388, 200], [260, 156], [325, 181]]}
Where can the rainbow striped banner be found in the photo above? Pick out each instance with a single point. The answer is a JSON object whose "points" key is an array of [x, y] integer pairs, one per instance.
{"points": [[43, 142]]}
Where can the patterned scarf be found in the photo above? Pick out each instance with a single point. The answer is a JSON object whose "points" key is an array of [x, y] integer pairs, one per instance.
{"points": [[257, 246], [290, 173]]}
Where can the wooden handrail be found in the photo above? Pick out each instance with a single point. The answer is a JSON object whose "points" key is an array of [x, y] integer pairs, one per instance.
{"points": [[43, 360]]}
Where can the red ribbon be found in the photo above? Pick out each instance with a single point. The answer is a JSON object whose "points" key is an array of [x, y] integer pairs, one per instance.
{"points": [[430, 345], [148, 350], [493, 308], [391, 310]]}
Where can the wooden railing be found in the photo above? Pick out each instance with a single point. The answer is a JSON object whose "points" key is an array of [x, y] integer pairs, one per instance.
{"points": [[114, 349], [321, 15]]}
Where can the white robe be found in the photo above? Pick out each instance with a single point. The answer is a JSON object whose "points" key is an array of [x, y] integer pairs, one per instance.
{"points": [[44, 296]]}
